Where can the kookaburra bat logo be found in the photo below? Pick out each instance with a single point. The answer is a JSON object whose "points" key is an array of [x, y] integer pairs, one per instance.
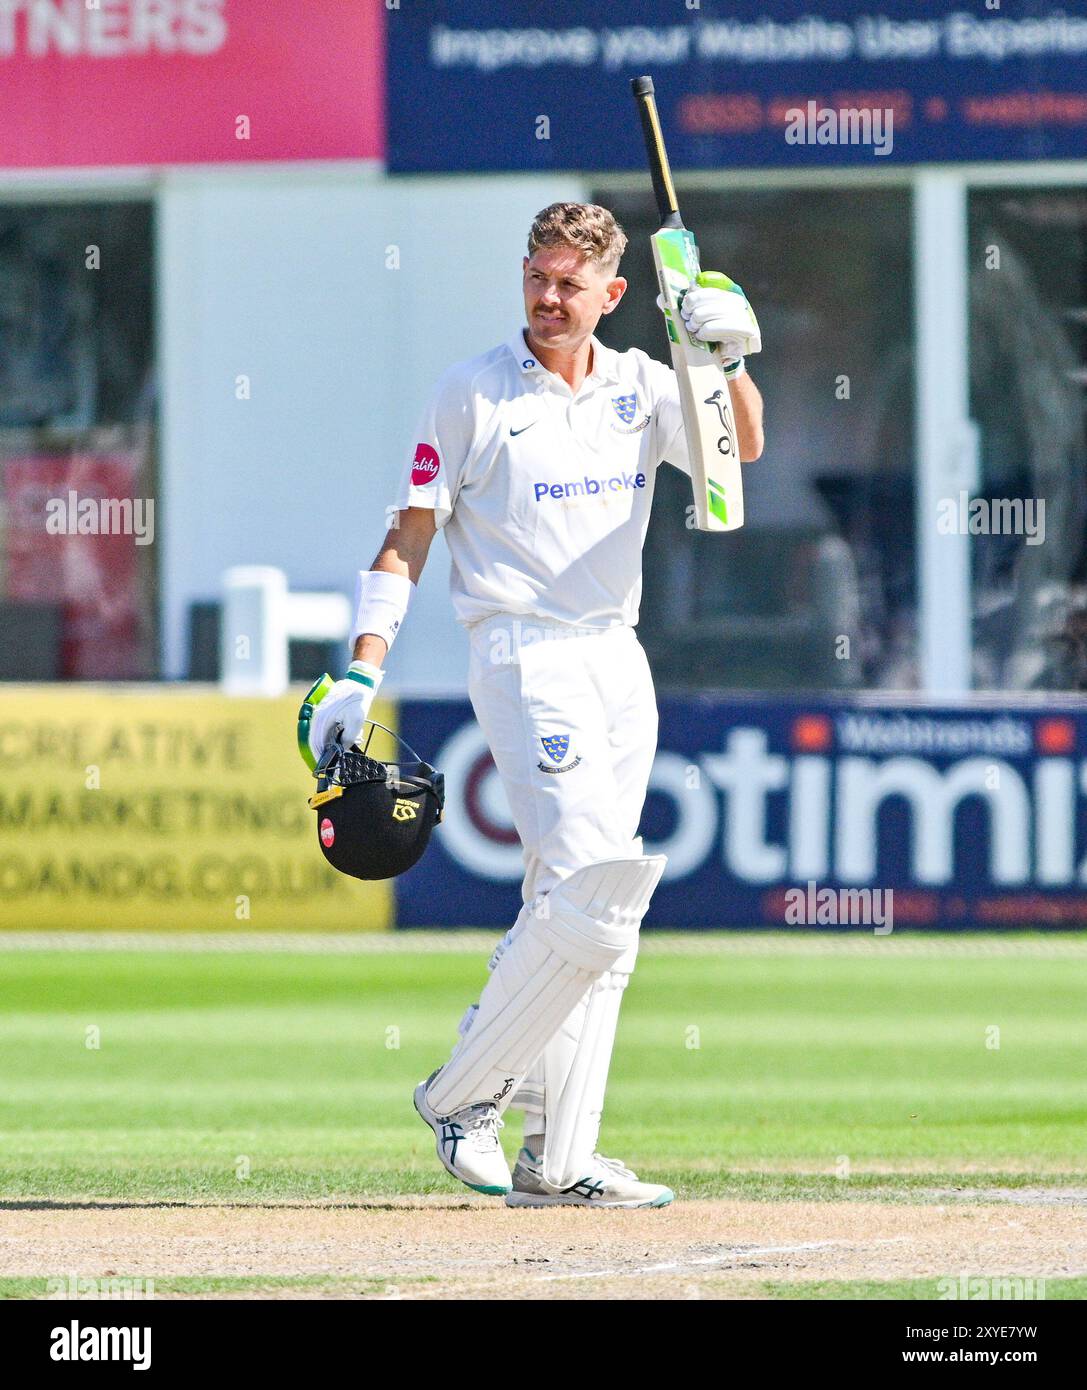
{"points": [[727, 443]]}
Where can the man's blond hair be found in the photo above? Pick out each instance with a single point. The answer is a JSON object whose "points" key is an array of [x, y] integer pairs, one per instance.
{"points": [[587, 228]]}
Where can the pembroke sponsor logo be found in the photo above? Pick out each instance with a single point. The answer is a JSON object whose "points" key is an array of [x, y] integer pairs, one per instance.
{"points": [[589, 487]]}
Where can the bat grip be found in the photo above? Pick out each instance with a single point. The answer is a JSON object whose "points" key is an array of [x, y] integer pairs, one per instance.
{"points": [[659, 170]]}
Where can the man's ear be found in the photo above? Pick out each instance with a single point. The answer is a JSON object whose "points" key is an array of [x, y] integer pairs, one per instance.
{"points": [[616, 289]]}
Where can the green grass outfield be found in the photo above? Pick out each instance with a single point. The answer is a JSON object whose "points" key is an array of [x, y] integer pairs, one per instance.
{"points": [[346, 1286], [249, 1075]]}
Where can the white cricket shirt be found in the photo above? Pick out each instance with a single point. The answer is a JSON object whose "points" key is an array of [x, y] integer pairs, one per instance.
{"points": [[545, 494]]}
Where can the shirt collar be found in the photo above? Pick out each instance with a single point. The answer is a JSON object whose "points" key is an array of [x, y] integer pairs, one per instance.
{"points": [[523, 355], [605, 359], [605, 362]]}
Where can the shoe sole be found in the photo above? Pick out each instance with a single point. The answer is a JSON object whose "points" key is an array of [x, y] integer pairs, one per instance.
{"points": [[562, 1199], [488, 1190]]}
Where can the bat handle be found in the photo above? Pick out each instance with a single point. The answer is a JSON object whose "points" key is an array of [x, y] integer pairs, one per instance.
{"points": [[659, 169]]}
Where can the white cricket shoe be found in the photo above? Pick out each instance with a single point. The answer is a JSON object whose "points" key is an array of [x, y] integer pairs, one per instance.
{"points": [[468, 1144], [606, 1184]]}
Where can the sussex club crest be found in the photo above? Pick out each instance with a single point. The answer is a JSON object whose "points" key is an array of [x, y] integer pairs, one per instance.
{"points": [[557, 746], [626, 407]]}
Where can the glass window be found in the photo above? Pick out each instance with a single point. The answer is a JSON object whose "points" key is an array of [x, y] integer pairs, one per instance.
{"points": [[817, 589], [77, 462], [1028, 374]]}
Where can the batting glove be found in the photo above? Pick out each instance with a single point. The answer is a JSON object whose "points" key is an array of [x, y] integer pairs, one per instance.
{"points": [[716, 312], [336, 710]]}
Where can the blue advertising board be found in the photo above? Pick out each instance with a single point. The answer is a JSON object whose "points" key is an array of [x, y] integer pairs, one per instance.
{"points": [[498, 85], [971, 816]]}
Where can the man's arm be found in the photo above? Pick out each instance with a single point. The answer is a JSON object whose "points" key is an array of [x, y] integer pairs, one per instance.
{"points": [[747, 408], [404, 552]]}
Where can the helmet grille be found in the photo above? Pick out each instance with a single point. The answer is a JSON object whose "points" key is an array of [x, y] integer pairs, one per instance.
{"points": [[350, 768]]}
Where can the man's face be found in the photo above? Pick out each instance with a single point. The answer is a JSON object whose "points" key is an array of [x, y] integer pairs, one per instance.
{"points": [[565, 296]]}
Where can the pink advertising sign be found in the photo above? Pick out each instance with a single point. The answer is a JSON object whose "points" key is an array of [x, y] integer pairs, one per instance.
{"points": [[75, 526], [138, 82]]}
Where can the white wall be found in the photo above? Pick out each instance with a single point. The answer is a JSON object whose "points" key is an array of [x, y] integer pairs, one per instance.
{"points": [[280, 274]]}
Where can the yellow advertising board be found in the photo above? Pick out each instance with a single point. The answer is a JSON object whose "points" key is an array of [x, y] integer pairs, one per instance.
{"points": [[165, 807]]}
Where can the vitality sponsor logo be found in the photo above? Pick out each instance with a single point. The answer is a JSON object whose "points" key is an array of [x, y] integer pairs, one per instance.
{"points": [[589, 487], [425, 465]]}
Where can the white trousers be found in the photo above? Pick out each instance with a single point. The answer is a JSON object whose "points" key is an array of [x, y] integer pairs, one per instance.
{"points": [[531, 681], [571, 720]]}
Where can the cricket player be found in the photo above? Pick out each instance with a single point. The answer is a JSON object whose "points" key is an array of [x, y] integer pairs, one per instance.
{"points": [[538, 460]]}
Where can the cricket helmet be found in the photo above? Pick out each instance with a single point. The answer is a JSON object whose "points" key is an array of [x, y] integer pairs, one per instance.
{"points": [[374, 818]]}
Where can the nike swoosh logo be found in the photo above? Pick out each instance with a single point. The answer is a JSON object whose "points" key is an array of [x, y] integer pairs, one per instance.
{"points": [[515, 433]]}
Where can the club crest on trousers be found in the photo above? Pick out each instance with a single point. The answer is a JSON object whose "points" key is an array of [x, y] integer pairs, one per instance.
{"points": [[557, 746]]}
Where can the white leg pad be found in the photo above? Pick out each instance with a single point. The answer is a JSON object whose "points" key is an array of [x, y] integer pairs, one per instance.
{"points": [[575, 1066], [582, 929], [551, 1068]]}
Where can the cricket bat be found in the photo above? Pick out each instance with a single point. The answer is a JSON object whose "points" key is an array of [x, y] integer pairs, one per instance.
{"points": [[708, 420]]}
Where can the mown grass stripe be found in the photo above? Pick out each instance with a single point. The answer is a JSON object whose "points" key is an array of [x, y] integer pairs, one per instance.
{"points": [[1037, 946]]}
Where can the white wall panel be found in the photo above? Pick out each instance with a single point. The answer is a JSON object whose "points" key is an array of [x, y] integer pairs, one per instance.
{"points": [[281, 275]]}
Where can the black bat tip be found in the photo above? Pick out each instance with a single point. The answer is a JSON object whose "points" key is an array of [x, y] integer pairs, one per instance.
{"points": [[642, 86]]}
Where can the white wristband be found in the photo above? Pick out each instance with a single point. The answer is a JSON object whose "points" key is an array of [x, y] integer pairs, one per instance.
{"points": [[733, 369], [381, 601], [366, 673]]}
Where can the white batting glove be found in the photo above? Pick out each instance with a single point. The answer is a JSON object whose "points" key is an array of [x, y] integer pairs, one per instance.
{"points": [[337, 709], [716, 311]]}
